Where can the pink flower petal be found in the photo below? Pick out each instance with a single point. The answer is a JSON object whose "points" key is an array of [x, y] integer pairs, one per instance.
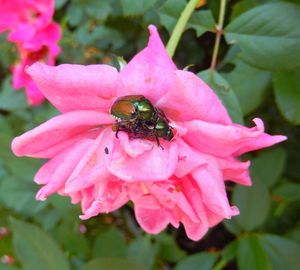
{"points": [[235, 170], [153, 165], [76, 87], [190, 99], [111, 197], [143, 74], [91, 167], [212, 187], [193, 194], [136, 147], [48, 139], [224, 140], [188, 159], [152, 220], [34, 95], [194, 230], [48, 38], [56, 171]]}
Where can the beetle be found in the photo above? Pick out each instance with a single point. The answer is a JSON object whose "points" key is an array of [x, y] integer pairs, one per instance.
{"points": [[136, 115], [131, 108]]}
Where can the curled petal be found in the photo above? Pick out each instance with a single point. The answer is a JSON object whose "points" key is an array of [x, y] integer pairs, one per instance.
{"points": [[51, 137], [263, 141], [136, 147], [225, 140], [235, 170], [76, 87], [150, 72], [111, 197], [190, 99]]}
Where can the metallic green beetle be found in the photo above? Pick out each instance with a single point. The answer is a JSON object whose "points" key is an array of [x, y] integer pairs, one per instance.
{"points": [[138, 117], [132, 108]]}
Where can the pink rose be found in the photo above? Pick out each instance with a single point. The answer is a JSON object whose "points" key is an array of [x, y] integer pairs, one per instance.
{"points": [[25, 18], [181, 183], [35, 35]]}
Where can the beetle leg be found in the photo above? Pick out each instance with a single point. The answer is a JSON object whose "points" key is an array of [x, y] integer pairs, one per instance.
{"points": [[158, 143], [118, 129], [135, 128]]}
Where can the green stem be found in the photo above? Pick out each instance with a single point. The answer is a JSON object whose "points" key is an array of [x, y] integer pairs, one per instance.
{"points": [[219, 30], [180, 25], [220, 265]]}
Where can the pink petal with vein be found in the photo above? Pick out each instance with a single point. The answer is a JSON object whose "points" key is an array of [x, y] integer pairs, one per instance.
{"points": [[190, 99], [143, 74], [76, 87], [224, 140], [44, 140]]}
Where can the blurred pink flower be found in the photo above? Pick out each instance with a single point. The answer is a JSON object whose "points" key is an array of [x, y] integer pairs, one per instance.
{"points": [[35, 35], [184, 183], [25, 18]]}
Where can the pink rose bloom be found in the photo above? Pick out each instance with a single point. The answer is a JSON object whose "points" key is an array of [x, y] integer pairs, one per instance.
{"points": [[36, 36], [25, 18], [42, 48], [181, 183]]}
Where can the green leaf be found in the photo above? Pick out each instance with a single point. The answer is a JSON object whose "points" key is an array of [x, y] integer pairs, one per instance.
{"points": [[199, 261], [110, 244], [170, 12], [23, 168], [5, 127], [19, 195], [8, 267], [35, 249], [253, 203], [283, 253], [267, 36], [230, 251], [72, 240], [244, 5], [136, 7], [201, 21], [74, 14], [251, 254], [111, 264], [287, 94], [11, 99], [8, 53], [59, 3], [268, 166], [249, 84], [168, 248], [142, 252], [232, 226], [289, 191], [225, 93], [97, 9], [294, 234]]}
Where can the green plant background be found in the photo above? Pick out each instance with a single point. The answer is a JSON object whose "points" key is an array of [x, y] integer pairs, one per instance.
{"points": [[257, 75]]}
